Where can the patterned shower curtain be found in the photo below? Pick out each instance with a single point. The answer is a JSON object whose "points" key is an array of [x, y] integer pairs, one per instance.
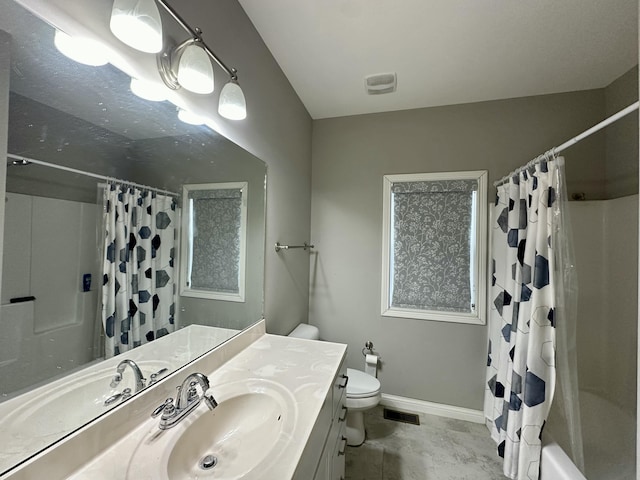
{"points": [[521, 372], [138, 293]]}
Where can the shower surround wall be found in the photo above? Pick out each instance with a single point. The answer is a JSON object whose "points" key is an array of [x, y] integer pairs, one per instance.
{"points": [[605, 239], [47, 241]]}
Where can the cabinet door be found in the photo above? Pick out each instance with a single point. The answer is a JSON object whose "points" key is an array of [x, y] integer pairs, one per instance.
{"points": [[339, 387], [339, 453], [312, 458], [323, 471]]}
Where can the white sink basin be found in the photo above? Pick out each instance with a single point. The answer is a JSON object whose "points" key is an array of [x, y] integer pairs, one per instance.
{"points": [[245, 433], [71, 402]]}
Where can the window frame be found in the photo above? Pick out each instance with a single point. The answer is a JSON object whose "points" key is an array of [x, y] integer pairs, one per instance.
{"points": [[185, 244], [477, 317]]}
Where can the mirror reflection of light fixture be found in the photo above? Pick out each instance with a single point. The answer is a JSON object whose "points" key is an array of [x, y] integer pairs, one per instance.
{"points": [[189, 117], [137, 23], [187, 65], [148, 90], [83, 50]]}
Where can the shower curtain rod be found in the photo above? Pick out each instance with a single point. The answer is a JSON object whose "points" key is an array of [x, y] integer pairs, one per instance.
{"points": [[26, 161], [569, 143]]}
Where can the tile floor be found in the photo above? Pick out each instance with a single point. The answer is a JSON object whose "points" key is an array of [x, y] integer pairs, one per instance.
{"points": [[438, 449]]}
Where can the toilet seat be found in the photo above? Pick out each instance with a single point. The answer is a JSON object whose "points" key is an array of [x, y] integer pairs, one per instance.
{"points": [[361, 385]]}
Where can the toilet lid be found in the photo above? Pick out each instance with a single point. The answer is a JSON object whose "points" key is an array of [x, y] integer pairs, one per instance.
{"points": [[361, 384]]}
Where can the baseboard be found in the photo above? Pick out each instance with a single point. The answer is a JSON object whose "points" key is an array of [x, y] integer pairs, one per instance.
{"points": [[431, 408]]}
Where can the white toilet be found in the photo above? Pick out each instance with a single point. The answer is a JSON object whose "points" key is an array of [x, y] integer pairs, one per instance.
{"points": [[363, 391]]}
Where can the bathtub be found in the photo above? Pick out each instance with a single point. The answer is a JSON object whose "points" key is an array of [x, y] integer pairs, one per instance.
{"points": [[555, 464], [608, 440]]}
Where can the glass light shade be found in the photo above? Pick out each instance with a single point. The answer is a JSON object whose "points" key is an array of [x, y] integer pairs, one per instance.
{"points": [[137, 23], [84, 50], [148, 90], [232, 104], [195, 72], [191, 118]]}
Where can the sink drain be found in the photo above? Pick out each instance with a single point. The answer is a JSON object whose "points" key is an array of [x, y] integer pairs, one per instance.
{"points": [[208, 462]]}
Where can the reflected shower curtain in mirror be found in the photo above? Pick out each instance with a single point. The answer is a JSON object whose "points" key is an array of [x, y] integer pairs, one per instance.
{"points": [[138, 293], [521, 372]]}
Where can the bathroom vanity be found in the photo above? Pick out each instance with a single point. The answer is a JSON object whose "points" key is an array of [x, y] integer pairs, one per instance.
{"points": [[280, 415], [31, 421]]}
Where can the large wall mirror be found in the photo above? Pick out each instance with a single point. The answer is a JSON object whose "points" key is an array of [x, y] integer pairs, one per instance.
{"points": [[86, 118]]}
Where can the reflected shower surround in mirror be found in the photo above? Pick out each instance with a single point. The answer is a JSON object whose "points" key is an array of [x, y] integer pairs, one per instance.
{"points": [[138, 294], [138, 24]]}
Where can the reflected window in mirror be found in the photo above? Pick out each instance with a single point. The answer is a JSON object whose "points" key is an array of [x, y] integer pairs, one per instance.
{"points": [[434, 246], [213, 250]]}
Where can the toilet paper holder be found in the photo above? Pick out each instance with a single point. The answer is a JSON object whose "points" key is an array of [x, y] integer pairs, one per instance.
{"points": [[368, 348]]}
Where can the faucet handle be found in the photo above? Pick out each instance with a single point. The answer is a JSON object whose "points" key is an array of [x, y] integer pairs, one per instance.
{"points": [[167, 405], [126, 393]]}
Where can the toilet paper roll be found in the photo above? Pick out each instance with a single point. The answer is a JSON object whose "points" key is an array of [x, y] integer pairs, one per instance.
{"points": [[371, 365]]}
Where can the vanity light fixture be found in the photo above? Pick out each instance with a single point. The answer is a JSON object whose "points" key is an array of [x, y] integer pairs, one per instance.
{"points": [[189, 117], [232, 104], [83, 50], [195, 72], [148, 90], [187, 65], [137, 23]]}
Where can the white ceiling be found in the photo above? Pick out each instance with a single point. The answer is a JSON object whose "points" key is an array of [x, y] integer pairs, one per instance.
{"points": [[444, 51]]}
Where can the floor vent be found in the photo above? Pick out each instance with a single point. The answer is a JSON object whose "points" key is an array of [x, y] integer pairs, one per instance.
{"points": [[403, 417]]}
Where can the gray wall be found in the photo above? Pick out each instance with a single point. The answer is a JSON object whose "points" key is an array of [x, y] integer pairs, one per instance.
{"points": [[428, 360], [622, 137]]}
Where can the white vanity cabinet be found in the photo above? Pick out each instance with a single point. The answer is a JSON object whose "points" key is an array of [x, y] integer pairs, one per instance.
{"points": [[324, 455]]}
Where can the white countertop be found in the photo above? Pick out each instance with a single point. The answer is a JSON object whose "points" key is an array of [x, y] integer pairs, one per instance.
{"points": [[303, 367]]}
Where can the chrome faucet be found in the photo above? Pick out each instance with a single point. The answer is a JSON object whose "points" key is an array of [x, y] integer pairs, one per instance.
{"points": [[137, 373], [187, 399]]}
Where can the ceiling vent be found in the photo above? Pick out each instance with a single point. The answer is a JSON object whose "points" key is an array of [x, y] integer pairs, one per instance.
{"points": [[381, 83]]}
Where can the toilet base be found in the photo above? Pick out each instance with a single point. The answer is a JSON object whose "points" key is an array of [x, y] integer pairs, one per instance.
{"points": [[355, 428]]}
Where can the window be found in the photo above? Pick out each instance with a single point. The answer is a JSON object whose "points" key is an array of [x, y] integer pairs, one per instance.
{"points": [[214, 225], [434, 253]]}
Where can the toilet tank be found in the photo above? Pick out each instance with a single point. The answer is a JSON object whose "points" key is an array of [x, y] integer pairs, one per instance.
{"points": [[304, 330]]}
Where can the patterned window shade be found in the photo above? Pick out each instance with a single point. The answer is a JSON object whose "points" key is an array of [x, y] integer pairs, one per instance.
{"points": [[216, 240], [433, 245]]}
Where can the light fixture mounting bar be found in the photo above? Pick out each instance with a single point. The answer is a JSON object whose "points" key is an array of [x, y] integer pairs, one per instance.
{"points": [[197, 34]]}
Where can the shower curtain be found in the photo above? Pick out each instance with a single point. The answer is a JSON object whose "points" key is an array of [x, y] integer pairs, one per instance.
{"points": [[138, 293], [521, 371]]}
